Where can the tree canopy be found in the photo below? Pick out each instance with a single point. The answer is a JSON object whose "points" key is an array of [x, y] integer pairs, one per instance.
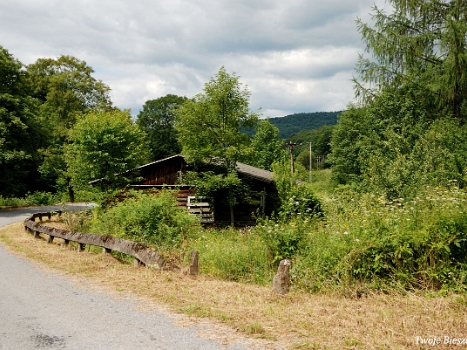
{"points": [[21, 133], [266, 144], [157, 119], [210, 129], [210, 125], [421, 43], [66, 91], [412, 94], [105, 145]]}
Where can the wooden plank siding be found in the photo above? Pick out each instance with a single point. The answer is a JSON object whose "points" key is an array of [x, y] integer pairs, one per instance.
{"points": [[155, 174], [165, 173]]}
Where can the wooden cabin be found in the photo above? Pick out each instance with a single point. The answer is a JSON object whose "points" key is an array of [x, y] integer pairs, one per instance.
{"points": [[166, 173]]}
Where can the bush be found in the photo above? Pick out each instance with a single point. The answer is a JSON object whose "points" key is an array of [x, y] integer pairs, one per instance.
{"points": [[414, 244], [282, 239], [154, 220], [300, 201], [31, 199]]}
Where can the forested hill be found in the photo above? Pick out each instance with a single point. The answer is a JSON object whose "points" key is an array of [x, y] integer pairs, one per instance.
{"points": [[293, 123]]}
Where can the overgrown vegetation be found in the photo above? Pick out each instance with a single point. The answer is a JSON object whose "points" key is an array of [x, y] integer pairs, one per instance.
{"points": [[154, 220], [392, 217], [31, 199]]}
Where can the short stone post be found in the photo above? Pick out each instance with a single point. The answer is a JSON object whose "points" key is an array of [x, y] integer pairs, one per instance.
{"points": [[81, 247], [281, 281], [193, 268], [106, 250], [194, 263], [50, 239]]}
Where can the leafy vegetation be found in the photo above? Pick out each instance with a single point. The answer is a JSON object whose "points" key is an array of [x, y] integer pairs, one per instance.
{"points": [[209, 128], [268, 147], [18, 119], [154, 220], [157, 119], [104, 146]]}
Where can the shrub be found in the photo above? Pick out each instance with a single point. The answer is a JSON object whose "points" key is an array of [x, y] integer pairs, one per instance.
{"points": [[31, 199], [413, 244], [151, 219], [282, 239]]}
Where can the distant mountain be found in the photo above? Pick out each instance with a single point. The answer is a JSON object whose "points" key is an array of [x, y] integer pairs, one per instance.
{"points": [[293, 123]]}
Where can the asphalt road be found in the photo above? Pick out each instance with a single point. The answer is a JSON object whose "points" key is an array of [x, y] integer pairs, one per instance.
{"points": [[42, 310]]}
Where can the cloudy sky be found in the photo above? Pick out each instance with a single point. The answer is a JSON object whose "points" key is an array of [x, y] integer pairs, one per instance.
{"points": [[294, 55]]}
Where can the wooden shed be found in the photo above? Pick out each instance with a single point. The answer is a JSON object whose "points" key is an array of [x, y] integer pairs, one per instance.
{"points": [[165, 173]]}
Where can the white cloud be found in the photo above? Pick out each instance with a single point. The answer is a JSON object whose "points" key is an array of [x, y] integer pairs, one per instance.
{"points": [[296, 55]]}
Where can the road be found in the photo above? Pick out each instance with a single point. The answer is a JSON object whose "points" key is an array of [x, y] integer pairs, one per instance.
{"points": [[40, 309]]}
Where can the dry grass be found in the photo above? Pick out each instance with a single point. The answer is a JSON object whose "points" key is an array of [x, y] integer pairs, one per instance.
{"points": [[294, 321]]}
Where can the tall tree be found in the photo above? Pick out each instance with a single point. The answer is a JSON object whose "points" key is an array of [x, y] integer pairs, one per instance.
{"points": [[67, 90], [266, 145], [210, 126], [421, 42], [105, 145], [157, 119], [21, 133]]}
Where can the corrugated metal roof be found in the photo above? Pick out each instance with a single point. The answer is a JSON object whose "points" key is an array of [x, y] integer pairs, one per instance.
{"points": [[257, 173]]}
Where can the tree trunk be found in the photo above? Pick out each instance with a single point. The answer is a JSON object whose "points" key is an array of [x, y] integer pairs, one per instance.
{"points": [[231, 205], [71, 191]]}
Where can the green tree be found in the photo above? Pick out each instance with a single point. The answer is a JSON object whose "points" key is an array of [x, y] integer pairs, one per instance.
{"points": [[423, 43], [105, 145], [21, 133], [67, 90], [157, 119], [415, 79], [210, 126], [266, 145]]}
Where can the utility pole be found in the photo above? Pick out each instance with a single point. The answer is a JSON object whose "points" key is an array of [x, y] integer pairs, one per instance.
{"points": [[291, 146], [311, 166]]}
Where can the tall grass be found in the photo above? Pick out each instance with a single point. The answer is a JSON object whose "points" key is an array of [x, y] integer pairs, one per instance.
{"points": [[410, 244], [236, 255], [345, 241]]}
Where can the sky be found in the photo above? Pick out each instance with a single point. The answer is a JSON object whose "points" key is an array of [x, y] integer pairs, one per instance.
{"points": [[293, 55]]}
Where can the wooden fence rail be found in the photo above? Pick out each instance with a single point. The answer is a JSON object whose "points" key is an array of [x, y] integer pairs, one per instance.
{"points": [[141, 253]]}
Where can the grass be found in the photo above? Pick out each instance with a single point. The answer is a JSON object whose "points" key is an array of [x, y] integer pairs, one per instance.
{"points": [[295, 321]]}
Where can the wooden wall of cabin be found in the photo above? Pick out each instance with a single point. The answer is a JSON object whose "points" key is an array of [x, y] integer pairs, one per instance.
{"points": [[166, 173]]}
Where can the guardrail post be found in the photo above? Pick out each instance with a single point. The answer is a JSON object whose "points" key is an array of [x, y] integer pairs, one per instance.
{"points": [[137, 263]]}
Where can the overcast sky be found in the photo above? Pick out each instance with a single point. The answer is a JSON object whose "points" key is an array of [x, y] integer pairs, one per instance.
{"points": [[294, 55]]}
